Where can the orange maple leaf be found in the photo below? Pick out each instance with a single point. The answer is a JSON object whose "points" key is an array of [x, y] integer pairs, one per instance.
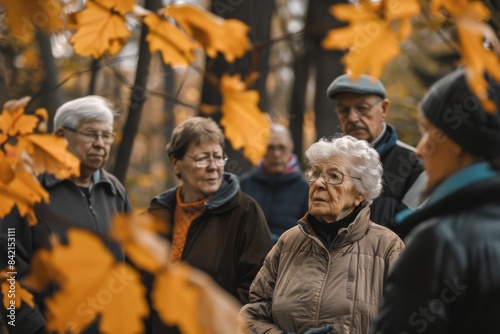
{"points": [[477, 59], [189, 299], [15, 122], [175, 47], [24, 154], [24, 191], [370, 37], [13, 293], [143, 245], [215, 34], [40, 274], [91, 283], [49, 154], [24, 16], [121, 6], [100, 29], [244, 124], [6, 172], [453, 7]]}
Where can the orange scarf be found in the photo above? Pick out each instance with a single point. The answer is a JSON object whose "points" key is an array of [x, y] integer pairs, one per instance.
{"points": [[184, 215]]}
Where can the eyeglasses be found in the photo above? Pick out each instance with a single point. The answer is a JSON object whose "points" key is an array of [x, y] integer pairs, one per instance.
{"points": [[332, 177], [362, 110], [90, 137], [205, 162]]}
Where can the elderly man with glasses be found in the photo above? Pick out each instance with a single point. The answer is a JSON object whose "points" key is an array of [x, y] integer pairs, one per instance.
{"points": [[87, 201], [362, 107], [277, 184]]}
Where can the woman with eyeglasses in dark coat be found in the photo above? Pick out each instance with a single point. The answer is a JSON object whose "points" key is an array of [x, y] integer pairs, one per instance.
{"points": [[213, 226]]}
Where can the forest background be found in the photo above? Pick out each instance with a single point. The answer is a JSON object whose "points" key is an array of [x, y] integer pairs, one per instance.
{"points": [[242, 62], [287, 65]]}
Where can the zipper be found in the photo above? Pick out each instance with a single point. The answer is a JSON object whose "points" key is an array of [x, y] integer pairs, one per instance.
{"points": [[90, 207]]}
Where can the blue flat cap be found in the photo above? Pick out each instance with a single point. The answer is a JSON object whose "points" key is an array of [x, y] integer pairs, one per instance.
{"points": [[364, 84]]}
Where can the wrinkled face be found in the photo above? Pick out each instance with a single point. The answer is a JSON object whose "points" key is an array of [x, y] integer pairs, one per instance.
{"points": [[278, 153], [91, 149], [328, 202], [361, 116], [199, 183], [440, 155]]}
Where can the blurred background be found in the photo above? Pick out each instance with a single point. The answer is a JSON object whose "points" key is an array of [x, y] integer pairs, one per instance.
{"points": [[293, 74]]}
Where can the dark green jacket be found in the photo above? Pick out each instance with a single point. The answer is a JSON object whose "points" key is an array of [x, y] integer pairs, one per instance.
{"points": [[68, 208]]}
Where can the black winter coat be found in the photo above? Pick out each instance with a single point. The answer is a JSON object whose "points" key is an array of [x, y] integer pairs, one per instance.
{"points": [[448, 278], [403, 179]]}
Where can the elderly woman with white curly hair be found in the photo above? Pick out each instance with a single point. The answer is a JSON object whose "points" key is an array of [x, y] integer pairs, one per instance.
{"points": [[326, 275]]}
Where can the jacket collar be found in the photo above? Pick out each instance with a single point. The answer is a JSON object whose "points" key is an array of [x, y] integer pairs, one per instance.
{"points": [[386, 140], [227, 191], [100, 176], [465, 198], [355, 231], [469, 175]]}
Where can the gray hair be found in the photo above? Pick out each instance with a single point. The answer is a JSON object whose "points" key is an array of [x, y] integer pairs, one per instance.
{"points": [[91, 107], [193, 130], [282, 130], [365, 162]]}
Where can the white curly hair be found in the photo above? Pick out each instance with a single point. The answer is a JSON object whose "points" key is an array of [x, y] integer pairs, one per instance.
{"points": [[364, 162]]}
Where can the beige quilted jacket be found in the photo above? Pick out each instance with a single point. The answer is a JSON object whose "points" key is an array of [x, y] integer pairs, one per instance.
{"points": [[303, 285]]}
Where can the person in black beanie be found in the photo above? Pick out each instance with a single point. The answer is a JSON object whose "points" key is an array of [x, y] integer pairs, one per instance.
{"points": [[448, 278]]}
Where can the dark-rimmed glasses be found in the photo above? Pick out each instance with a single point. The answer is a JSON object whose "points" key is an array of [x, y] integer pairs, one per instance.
{"points": [[333, 177], [90, 136], [205, 162]]}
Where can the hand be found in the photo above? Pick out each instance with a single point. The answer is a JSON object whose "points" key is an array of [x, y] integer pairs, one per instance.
{"points": [[319, 330]]}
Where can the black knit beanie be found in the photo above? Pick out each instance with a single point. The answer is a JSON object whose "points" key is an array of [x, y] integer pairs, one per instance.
{"points": [[453, 108]]}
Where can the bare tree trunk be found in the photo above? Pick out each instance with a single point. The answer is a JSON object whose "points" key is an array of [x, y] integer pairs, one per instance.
{"points": [[328, 67], [298, 101], [257, 15], [137, 99], [94, 67], [326, 63], [7, 72], [50, 97], [170, 90]]}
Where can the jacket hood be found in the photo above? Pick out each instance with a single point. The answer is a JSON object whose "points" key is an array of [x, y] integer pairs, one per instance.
{"points": [[229, 187]]}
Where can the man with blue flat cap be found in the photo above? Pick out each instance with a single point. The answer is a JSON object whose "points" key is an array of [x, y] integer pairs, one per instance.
{"points": [[362, 107]]}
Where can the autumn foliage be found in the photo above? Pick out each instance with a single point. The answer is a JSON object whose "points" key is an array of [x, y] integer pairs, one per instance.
{"points": [[376, 29], [182, 296], [25, 152], [177, 32], [92, 283]]}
